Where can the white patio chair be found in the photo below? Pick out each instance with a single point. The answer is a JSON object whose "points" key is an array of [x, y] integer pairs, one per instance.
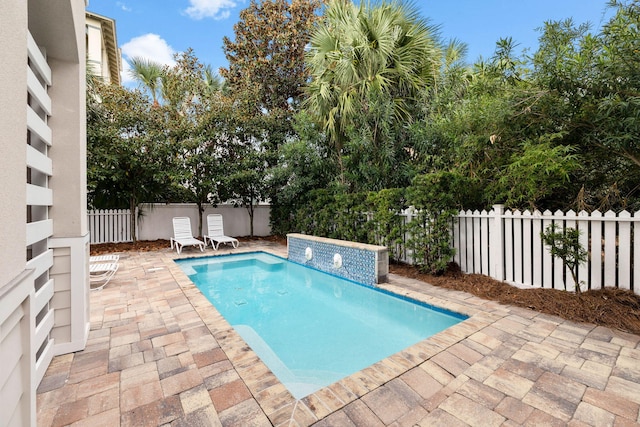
{"points": [[104, 258], [215, 229], [101, 273], [182, 234]]}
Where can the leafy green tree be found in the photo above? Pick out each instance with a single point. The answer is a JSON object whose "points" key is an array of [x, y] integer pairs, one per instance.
{"points": [[536, 172], [192, 109], [303, 165], [247, 182], [268, 52], [128, 158], [618, 108], [590, 90]]}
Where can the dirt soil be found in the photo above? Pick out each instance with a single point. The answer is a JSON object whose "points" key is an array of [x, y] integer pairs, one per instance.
{"points": [[614, 308]]}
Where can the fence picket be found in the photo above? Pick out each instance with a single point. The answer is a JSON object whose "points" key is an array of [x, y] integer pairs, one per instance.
{"points": [[583, 268], [568, 275], [547, 259], [457, 243], [469, 243], [596, 250], [109, 226], [536, 244], [624, 250], [526, 248], [609, 250], [508, 246], [558, 265], [484, 242], [477, 252], [503, 244], [636, 253], [517, 246]]}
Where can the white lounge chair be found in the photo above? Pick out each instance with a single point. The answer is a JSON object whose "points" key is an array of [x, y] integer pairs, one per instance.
{"points": [[104, 258], [182, 234], [101, 273], [216, 232]]}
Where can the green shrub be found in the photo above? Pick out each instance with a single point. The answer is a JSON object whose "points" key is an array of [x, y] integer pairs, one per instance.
{"points": [[565, 244], [432, 195]]}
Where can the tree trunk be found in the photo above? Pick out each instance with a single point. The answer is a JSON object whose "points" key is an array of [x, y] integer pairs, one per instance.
{"points": [[250, 209], [132, 218], [200, 212]]}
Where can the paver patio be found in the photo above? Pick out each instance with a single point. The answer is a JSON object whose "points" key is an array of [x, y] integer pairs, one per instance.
{"points": [[159, 354]]}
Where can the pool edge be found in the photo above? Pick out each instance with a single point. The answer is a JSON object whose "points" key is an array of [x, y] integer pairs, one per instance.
{"points": [[273, 397]]}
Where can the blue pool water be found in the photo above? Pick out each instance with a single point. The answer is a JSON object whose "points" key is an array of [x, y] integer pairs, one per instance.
{"points": [[310, 328]]}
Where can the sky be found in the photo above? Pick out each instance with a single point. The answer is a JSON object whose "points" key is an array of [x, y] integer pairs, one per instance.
{"points": [[157, 29]]}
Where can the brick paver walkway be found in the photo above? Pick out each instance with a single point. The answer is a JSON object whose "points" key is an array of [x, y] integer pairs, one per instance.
{"points": [[160, 354]]}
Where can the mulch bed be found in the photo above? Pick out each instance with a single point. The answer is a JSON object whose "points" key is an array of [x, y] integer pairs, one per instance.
{"points": [[611, 307]]}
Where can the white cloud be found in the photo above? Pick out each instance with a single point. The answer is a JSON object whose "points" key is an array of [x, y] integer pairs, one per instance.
{"points": [[123, 6], [216, 9], [148, 46]]}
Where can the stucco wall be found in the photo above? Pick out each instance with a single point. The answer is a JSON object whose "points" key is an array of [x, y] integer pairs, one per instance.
{"points": [[13, 122], [156, 220]]}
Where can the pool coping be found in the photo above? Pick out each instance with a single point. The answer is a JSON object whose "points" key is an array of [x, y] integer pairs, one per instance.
{"points": [[272, 396]]}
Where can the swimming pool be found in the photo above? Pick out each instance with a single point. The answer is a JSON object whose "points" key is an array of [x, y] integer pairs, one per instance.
{"points": [[310, 328]]}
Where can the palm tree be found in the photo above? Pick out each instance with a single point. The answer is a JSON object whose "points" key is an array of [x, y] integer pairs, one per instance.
{"points": [[213, 82], [362, 49], [149, 74]]}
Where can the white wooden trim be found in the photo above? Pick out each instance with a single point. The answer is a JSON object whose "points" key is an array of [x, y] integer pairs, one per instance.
{"points": [[43, 328], [38, 92], [39, 161], [43, 362], [39, 230], [43, 295], [38, 61], [79, 292], [16, 303], [38, 126], [14, 293], [39, 196], [41, 263]]}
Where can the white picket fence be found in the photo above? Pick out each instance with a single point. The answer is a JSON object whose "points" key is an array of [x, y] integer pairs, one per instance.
{"points": [[501, 244], [113, 225], [507, 246], [110, 225]]}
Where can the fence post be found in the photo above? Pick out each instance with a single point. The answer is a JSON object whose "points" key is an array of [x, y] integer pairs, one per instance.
{"points": [[496, 243]]}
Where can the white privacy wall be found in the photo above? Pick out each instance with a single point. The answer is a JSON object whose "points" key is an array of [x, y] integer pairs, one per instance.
{"points": [[155, 222]]}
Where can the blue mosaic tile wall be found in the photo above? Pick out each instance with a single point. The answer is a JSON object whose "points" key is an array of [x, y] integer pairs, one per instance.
{"points": [[358, 265]]}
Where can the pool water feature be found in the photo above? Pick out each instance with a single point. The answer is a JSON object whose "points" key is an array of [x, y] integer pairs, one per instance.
{"points": [[310, 328]]}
